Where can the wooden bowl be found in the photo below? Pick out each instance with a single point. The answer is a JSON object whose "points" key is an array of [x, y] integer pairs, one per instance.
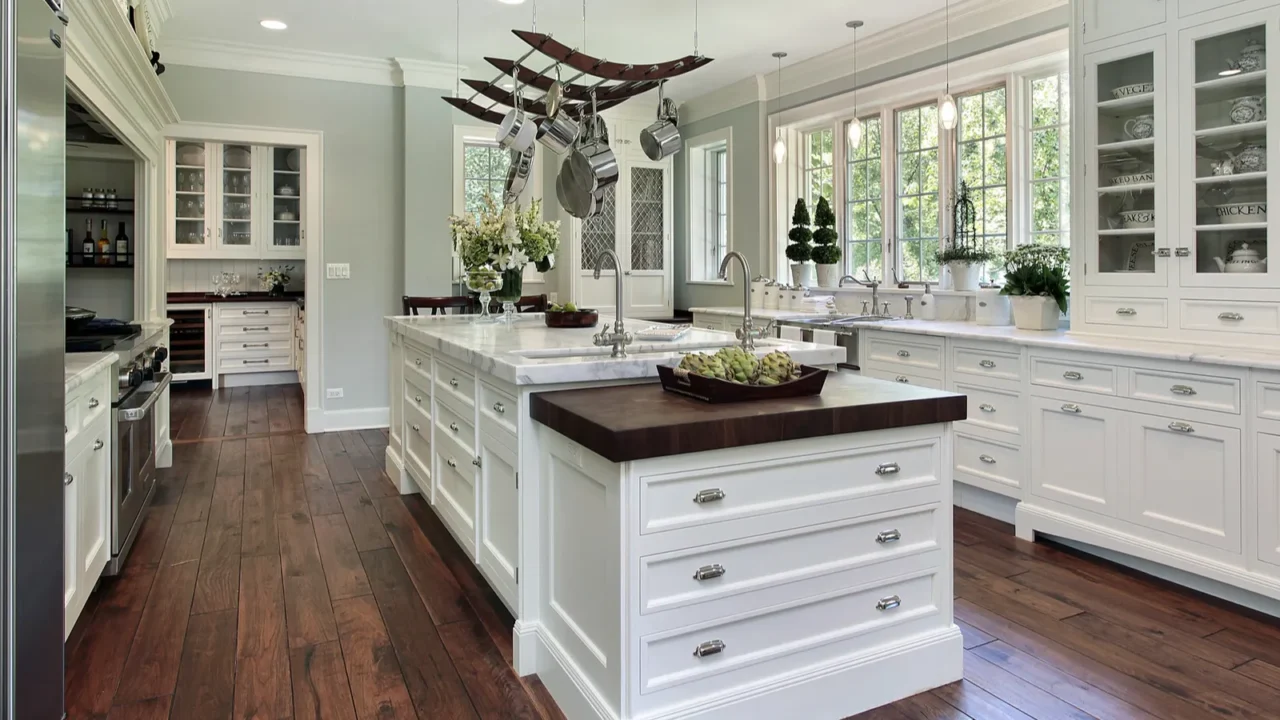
{"points": [[722, 391], [576, 319]]}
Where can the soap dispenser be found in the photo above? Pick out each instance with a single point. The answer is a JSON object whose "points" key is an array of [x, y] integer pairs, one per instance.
{"points": [[928, 311]]}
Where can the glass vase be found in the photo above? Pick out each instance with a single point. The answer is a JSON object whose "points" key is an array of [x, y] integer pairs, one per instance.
{"points": [[509, 295], [485, 281]]}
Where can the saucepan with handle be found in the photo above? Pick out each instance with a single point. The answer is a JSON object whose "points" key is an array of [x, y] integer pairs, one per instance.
{"points": [[662, 139]]}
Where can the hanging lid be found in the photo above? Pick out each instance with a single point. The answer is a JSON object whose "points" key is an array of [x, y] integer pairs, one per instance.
{"points": [[760, 278]]}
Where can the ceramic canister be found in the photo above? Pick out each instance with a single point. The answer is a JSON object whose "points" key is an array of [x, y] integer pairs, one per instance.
{"points": [[757, 292], [771, 295]]}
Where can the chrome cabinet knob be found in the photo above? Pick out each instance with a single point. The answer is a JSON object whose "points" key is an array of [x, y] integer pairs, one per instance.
{"points": [[1182, 390], [707, 496], [888, 536], [452, 463], [987, 408], [1181, 427], [453, 426], [903, 379], [453, 382], [988, 364], [476, 462], [904, 354], [416, 427], [888, 469], [98, 445], [889, 603], [93, 403], [499, 408], [1072, 375], [418, 362], [67, 478], [711, 647], [707, 572], [1071, 408], [417, 399]]}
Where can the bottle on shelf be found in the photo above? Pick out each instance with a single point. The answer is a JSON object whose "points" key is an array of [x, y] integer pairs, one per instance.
{"points": [[104, 246], [87, 248], [122, 245]]}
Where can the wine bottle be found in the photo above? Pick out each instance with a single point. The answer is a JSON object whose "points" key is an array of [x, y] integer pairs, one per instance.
{"points": [[87, 251], [104, 246], [122, 245]]}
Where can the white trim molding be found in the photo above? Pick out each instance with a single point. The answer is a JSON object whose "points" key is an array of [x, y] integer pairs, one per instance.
{"points": [[697, 150], [319, 421], [244, 57]]}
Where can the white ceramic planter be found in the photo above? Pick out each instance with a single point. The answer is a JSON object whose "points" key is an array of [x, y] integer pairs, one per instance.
{"points": [[965, 276], [828, 275], [1035, 312], [802, 274]]}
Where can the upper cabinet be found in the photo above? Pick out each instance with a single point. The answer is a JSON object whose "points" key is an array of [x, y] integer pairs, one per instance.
{"points": [[235, 201], [1107, 18]]}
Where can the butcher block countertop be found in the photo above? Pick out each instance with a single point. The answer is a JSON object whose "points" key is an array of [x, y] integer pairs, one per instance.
{"points": [[179, 298], [637, 422]]}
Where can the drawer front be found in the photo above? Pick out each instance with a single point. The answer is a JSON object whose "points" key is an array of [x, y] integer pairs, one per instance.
{"points": [[902, 377], [678, 500], [1198, 391], [1267, 396], [238, 312], [232, 364], [456, 488], [907, 354], [418, 360], [71, 422], [1088, 377], [687, 577], [417, 392], [95, 402], [499, 407], [987, 363], [1136, 312], [989, 462], [456, 384], [699, 654], [261, 345], [417, 420], [1226, 316], [459, 427], [993, 409], [255, 328]]}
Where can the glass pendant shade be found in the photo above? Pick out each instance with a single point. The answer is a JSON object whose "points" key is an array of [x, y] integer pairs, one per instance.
{"points": [[947, 114], [779, 150], [855, 134]]}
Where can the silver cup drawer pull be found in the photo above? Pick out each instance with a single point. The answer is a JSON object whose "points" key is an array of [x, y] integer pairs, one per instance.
{"points": [[889, 603], [988, 364], [707, 572], [1230, 316], [904, 354], [1182, 390], [987, 408], [709, 496], [903, 379], [888, 469], [1126, 311], [452, 463], [453, 382], [1071, 408], [68, 478], [1181, 427], [987, 459], [888, 536], [98, 445], [93, 403], [1072, 375], [710, 647]]}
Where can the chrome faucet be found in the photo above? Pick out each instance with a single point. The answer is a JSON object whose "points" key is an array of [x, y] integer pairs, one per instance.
{"points": [[875, 291], [619, 338], [748, 333]]}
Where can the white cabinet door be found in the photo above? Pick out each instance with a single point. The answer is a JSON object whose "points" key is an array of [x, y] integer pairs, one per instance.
{"points": [[72, 593], [1184, 479], [500, 515], [1075, 454], [189, 199], [93, 507], [284, 193], [649, 277], [597, 234], [1108, 18], [1269, 498], [236, 230]]}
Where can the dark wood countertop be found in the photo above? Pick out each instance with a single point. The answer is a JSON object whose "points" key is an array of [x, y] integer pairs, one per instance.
{"points": [[254, 297], [635, 422]]}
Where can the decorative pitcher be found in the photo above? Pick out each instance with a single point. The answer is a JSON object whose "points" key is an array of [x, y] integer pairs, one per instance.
{"points": [[1244, 260]]}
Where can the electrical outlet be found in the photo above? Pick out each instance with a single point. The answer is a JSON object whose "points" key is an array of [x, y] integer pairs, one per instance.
{"points": [[553, 298], [338, 271], [333, 393]]}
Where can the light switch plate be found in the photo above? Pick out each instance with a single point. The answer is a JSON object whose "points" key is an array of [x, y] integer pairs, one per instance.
{"points": [[338, 271], [333, 393]]}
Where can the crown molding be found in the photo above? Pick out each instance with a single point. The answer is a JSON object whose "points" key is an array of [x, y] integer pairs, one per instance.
{"points": [[244, 57], [743, 92], [161, 9]]}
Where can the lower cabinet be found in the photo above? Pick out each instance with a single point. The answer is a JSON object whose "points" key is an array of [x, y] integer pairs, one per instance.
{"points": [[86, 494], [1269, 498], [1075, 454], [500, 512]]}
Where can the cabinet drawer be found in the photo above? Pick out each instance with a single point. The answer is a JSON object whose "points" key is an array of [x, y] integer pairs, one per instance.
{"points": [[417, 392], [417, 360], [1136, 312], [241, 364], [1088, 377], [255, 328], [673, 658], [456, 490], [238, 312], [256, 344], [96, 400], [1266, 395], [457, 426], [499, 407], [902, 377], [1000, 410], [417, 420], [687, 577], [987, 363], [906, 354], [989, 463], [71, 421], [678, 500], [1227, 316], [1198, 391], [455, 384]]}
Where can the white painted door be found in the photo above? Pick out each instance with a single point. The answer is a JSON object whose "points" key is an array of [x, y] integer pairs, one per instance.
{"points": [[189, 201], [1075, 454], [1269, 498], [1108, 18], [500, 515], [597, 234], [236, 229], [93, 508], [284, 201], [72, 594], [649, 278], [1184, 479]]}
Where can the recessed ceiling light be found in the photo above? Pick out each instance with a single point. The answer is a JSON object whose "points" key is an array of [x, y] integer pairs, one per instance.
{"points": [[273, 24], [511, 2]]}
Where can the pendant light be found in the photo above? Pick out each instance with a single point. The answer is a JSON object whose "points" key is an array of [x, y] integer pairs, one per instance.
{"points": [[948, 114], [855, 125], [779, 145]]}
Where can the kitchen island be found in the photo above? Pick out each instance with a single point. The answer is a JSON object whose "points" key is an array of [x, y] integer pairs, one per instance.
{"points": [[461, 435], [784, 558]]}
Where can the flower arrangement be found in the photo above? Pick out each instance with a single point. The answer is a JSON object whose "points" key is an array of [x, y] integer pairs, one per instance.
{"points": [[505, 239], [1038, 270], [539, 239], [275, 279]]}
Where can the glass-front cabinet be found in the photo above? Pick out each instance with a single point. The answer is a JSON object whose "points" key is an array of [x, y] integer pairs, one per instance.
{"points": [[1128, 130], [286, 200], [188, 195], [1222, 217], [236, 227]]}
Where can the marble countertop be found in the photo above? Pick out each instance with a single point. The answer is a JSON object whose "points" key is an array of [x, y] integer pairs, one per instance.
{"points": [[512, 354], [79, 367], [755, 312]]}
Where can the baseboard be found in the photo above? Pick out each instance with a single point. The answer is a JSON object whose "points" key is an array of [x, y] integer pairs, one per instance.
{"points": [[985, 502], [234, 380], [164, 454], [320, 420]]}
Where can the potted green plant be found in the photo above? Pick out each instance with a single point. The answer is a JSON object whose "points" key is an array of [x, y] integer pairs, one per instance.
{"points": [[799, 251], [1036, 278], [275, 279], [962, 256], [826, 251]]}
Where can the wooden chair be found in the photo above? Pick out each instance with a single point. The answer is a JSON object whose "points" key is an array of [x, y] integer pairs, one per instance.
{"points": [[526, 304], [439, 305]]}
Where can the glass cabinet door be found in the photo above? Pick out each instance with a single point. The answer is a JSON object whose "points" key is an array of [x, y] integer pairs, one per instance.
{"points": [[190, 198], [1225, 193], [1127, 129], [236, 224], [648, 221], [286, 200], [600, 232]]}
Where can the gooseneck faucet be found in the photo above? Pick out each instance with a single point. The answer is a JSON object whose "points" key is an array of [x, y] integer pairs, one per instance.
{"points": [[619, 338], [748, 332], [875, 289]]}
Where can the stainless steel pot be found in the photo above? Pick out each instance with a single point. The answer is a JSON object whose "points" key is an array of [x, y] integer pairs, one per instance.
{"points": [[662, 139], [518, 175], [594, 164], [558, 132], [517, 130]]}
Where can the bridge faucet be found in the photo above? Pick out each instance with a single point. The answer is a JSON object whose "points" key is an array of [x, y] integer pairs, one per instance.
{"points": [[619, 338], [748, 333], [868, 282]]}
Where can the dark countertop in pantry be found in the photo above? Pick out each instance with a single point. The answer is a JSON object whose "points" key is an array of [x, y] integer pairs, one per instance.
{"points": [[254, 297], [636, 422]]}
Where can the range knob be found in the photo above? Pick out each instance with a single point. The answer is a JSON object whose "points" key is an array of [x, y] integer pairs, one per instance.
{"points": [[158, 357], [130, 376]]}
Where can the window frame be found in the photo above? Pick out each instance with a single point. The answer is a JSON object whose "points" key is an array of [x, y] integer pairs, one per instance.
{"points": [[944, 148], [699, 150], [845, 232], [1027, 170], [957, 171]]}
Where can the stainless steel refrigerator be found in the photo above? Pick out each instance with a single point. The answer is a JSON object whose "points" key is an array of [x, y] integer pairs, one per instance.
{"points": [[32, 210]]}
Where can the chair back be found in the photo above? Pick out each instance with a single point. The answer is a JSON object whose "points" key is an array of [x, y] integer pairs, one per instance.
{"points": [[461, 304]]}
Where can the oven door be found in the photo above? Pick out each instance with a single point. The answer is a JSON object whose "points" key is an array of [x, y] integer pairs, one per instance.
{"points": [[134, 477]]}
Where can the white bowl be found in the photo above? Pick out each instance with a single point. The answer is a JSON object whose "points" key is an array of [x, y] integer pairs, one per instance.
{"points": [[1246, 212], [1134, 179], [1138, 219], [1125, 91]]}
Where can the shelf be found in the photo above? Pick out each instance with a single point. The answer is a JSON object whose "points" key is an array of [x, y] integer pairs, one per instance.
{"points": [[288, 172], [100, 211], [1230, 131], [1145, 99], [190, 219], [285, 197], [1231, 227], [1227, 179], [189, 192], [287, 222], [1127, 145], [1135, 187], [120, 261], [1232, 80], [1127, 231], [81, 198], [189, 167], [227, 194], [236, 169]]}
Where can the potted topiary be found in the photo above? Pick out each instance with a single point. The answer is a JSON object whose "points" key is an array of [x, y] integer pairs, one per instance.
{"points": [[1036, 278], [962, 256], [799, 251], [826, 251]]}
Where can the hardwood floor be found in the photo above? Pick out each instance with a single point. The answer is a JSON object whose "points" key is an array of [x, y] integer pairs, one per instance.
{"points": [[280, 575]]}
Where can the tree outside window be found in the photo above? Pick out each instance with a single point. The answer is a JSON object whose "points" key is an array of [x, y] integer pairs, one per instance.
{"points": [[484, 172], [864, 209], [819, 166], [917, 193], [1051, 160], [983, 162]]}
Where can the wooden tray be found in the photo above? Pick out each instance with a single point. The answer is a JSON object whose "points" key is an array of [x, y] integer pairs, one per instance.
{"points": [[722, 391], [579, 319]]}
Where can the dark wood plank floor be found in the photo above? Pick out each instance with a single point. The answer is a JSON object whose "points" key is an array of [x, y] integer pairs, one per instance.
{"points": [[280, 576]]}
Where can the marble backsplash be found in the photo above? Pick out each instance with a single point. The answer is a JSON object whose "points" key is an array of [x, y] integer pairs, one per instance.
{"points": [[197, 275]]}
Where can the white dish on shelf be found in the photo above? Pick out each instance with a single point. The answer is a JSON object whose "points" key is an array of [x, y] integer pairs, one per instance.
{"points": [[1245, 212], [235, 158], [291, 160], [287, 190], [1125, 91], [1142, 178], [286, 216], [1131, 219], [191, 155]]}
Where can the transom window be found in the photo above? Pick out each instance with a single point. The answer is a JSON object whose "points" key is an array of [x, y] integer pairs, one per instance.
{"points": [[1050, 141], [917, 201], [981, 139], [864, 218]]}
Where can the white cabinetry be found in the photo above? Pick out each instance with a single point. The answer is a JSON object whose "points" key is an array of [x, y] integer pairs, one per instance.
{"points": [[1268, 459], [86, 492], [1107, 18], [253, 337], [1075, 454]]}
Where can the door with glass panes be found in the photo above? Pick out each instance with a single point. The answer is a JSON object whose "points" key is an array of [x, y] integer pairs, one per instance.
{"points": [[284, 199], [189, 197], [648, 285]]}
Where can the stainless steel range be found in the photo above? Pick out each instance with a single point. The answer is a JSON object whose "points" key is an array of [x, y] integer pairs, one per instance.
{"points": [[142, 380]]}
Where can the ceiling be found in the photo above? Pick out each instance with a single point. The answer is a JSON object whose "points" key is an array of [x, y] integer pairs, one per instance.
{"points": [[739, 34]]}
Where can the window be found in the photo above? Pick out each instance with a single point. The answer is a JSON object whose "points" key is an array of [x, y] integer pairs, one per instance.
{"points": [[710, 206], [863, 212], [981, 146], [1050, 143], [484, 167], [917, 201], [819, 167]]}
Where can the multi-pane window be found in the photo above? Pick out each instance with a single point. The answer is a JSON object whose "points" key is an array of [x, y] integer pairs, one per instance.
{"points": [[484, 173], [863, 204], [917, 192], [981, 147], [819, 167], [1050, 160], [717, 200]]}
